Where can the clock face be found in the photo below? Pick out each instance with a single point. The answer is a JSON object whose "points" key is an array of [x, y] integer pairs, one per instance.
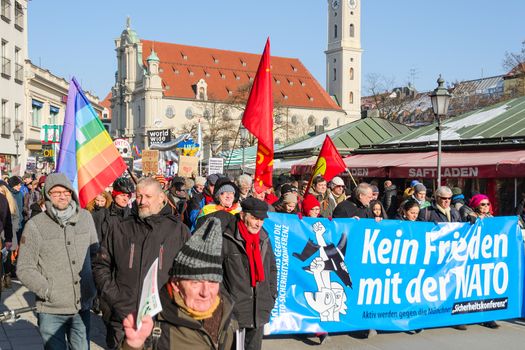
{"points": [[352, 4], [335, 4]]}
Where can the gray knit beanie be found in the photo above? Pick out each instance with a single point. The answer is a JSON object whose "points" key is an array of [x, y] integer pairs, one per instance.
{"points": [[420, 188], [201, 256], [224, 188]]}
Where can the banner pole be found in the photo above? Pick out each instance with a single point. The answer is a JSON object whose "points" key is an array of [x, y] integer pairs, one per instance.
{"points": [[351, 176]]}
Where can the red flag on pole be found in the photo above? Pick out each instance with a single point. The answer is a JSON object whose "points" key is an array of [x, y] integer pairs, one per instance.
{"points": [[329, 163], [258, 119]]}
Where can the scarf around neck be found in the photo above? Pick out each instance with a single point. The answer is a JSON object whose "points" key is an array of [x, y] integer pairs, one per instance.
{"points": [[63, 216], [196, 315], [254, 253], [445, 212]]}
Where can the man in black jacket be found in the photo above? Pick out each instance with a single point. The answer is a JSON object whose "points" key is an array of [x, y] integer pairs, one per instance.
{"points": [[118, 210], [130, 248], [250, 272], [357, 204], [440, 210]]}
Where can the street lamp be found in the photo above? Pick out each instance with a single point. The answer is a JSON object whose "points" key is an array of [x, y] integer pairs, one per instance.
{"points": [[17, 136], [440, 99], [244, 136]]}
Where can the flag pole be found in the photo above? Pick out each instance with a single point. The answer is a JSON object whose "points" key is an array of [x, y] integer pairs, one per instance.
{"points": [[351, 176]]}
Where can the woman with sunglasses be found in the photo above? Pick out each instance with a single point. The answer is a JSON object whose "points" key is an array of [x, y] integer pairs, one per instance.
{"points": [[481, 207]]}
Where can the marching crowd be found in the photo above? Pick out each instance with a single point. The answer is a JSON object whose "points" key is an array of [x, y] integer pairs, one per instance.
{"points": [[216, 273]]}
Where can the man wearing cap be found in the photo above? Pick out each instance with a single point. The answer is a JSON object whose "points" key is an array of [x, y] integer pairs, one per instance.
{"points": [[54, 262], [196, 314], [199, 200], [337, 190], [119, 209], [250, 272], [130, 248], [226, 198]]}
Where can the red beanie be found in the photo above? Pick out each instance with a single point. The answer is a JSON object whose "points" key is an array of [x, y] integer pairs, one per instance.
{"points": [[309, 202]]}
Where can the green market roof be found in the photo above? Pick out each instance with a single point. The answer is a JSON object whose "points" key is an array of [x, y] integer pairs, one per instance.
{"points": [[346, 138], [497, 124]]}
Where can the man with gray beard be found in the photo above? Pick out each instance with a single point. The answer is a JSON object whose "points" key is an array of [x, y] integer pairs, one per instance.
{"points": [[130, 248]]}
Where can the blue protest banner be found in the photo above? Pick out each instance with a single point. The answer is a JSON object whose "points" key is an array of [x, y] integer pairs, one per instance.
{"points": [[347, 274]]}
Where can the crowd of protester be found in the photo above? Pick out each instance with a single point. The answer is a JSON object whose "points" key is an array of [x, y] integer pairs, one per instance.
{"points": [[205, 233]]}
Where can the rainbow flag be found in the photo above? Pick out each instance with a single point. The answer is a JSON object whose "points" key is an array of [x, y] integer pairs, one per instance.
{"points": [[87, 155], [138, 152]]}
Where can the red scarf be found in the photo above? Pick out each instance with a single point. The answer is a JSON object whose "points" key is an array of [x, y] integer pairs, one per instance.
{"points": [[254, 253]]}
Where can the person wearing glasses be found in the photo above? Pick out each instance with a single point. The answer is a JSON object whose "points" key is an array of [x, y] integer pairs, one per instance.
{"points": [[481, 208], [440, 210], [54, 262]]}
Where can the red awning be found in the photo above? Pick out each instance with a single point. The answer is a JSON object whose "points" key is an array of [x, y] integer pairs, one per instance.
{"points": [[488, 164]]}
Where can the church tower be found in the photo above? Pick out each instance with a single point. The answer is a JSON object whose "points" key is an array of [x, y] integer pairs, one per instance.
{"points": [[343, 55]]}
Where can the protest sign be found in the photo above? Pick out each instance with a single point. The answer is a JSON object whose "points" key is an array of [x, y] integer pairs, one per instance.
{"points": [[347, 274], [150, 161], [188, 166], [149, 298]]}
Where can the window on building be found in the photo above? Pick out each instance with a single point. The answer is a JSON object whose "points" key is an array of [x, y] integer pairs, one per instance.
{"points": [[6, 62], [326, 122], [36, 113], [335, 31], [351, 97], [351, 73], [295, 119], [189, 113], [352, 30], [6, 121], [206, 114], [226, 115], [311, 120], [335, 74], [201, 93], [6, 10], [19, 16], [53, 115], [278, 119]]}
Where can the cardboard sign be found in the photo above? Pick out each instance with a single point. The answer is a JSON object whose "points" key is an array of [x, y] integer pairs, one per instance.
{"points": [[215, 166], [188, 166], [150, 161]]}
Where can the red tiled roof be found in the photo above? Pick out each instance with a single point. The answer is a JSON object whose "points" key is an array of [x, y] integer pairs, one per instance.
{"points": [[182, 66], [106, 103]]}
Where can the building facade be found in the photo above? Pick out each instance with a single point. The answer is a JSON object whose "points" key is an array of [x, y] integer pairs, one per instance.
{"points": [[46, 99], [343, 55], [171, 86], [13, 51]]}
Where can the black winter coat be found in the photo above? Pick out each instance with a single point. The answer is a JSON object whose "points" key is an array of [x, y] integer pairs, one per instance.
{"points": [[252, 306], [432, 214], [5, 219], [108, 217], [351, 207], [127, 252]]}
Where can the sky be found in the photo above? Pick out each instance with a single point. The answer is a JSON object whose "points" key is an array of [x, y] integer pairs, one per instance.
{"points": [[405, 40]]}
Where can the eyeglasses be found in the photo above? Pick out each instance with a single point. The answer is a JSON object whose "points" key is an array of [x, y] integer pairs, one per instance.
{"points": [[446, 198], [57, 194], [484, 204]]}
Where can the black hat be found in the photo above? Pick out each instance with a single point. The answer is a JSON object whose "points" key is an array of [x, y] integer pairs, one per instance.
{"points": [[256, 207], [287, 188], [200, 258], [124, 185], [14, 180]]}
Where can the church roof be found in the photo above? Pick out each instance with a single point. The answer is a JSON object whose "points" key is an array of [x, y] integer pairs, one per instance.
{"points": [[225, 72]]}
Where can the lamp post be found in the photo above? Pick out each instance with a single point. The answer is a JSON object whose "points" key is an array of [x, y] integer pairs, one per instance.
{"points": [[17, 136], [244, 136], [440, 98]]}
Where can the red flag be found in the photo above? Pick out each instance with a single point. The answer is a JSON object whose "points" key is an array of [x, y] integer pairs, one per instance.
{"points": [[329, 163], [258, 119]]}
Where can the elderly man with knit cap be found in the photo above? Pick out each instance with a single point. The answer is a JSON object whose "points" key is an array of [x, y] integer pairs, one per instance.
{"points": [[196, 314], [250, 272], [420, 195]]}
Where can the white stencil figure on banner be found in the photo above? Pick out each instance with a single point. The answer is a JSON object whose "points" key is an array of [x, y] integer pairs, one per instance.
{"points": [[330, 297]]}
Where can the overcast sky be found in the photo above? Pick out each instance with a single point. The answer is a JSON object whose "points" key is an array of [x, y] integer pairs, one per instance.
{"points": [[402, 40]]}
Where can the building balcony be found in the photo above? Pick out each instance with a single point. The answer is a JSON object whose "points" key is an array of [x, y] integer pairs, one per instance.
{"points": [[19, 73], [19, 17], [6, 67]]}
